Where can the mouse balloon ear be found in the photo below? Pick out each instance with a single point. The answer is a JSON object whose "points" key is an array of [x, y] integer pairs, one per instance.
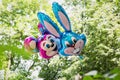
{"points": [[61, 16], [30, 44]]}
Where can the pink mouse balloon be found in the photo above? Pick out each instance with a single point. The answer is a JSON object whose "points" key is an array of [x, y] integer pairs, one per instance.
{"points": [[47, 45]]}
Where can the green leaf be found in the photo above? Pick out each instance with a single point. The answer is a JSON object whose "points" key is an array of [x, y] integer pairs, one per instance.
{"points": [[116, 70], [87, 78], [15, 50], [98, 76], [117, 77]]}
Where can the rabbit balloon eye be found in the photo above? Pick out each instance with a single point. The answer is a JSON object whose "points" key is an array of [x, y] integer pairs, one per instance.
{"points": [[67, 43], [74, 39]]}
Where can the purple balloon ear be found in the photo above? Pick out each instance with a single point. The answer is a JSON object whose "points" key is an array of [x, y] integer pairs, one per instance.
{"points": [[42, 29]]}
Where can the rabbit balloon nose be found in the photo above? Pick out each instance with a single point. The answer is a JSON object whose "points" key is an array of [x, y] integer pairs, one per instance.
{"points": [[72, 45]]}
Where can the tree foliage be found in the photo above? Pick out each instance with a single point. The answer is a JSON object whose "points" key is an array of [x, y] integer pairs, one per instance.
{"points": [[98, 19]]}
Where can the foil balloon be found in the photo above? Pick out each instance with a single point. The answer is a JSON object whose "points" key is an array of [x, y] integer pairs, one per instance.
{"points": [[30, 44], [71, 43], [47, 45]]}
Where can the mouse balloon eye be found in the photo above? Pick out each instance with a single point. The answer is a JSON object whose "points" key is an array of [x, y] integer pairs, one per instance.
{"points": [[67, 43], [74, 40], [47, 46], [51, 40]]}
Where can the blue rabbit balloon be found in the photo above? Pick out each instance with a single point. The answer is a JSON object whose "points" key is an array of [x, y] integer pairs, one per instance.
{"points": [[71, 43]]}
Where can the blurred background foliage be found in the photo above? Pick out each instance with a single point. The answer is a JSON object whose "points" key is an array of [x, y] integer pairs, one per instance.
{"points": [[98, 19]]}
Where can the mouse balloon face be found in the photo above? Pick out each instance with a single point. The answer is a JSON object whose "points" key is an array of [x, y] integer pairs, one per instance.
{"points": [[47, 46], [71, 43]]}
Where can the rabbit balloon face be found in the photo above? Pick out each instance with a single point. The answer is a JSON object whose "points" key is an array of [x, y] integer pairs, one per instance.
{"points": [[71, 43]]}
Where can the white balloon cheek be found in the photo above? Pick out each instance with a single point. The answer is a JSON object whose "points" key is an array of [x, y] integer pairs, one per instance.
{"points": [[52, 53], [50, 49], [69, 50]]}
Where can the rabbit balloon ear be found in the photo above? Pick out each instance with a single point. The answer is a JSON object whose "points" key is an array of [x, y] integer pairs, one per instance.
{"points": [[49, 24], [61, 16]]}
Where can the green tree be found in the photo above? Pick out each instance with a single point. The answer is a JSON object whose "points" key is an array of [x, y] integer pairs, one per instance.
{"points": [[98, 19]]}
